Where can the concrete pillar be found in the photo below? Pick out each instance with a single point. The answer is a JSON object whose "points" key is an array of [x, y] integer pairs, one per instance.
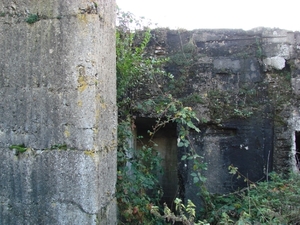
{"points": [[58, 101]]}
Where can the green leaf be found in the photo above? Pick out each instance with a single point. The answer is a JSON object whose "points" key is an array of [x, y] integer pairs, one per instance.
{"points": [[180, 144], [20, 148], [197, 129], [195, 180], [203, 179], [183, 157], [190, 124]]}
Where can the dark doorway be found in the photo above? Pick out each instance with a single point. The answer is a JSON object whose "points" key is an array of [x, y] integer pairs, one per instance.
{"points": [[297, 142], [166, 144]]}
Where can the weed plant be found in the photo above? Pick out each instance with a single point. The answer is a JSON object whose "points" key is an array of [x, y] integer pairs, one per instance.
{"points": [[32, 18], [276, 201]]}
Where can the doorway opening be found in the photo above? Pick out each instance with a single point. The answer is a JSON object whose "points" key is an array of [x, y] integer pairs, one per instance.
{"points": [[166, 144]]}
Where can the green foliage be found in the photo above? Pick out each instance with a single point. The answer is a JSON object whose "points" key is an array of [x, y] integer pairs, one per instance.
{"points": [[193, 99], [259, 51], [141, 74], [138, 191], [137, 184], [135, 68], [186, 57], [228, 104], [18, 148], [280, 94], [198, 179], [269, 202], [184, 214], [198, 166], [32, 18], [242, 113]]}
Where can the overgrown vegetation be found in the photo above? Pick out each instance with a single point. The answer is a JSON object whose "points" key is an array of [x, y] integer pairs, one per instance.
{"points": [[136, 180], [270, 202], [186, 214], [137, 187], [229, 104], [275, 201], [140, 80]]}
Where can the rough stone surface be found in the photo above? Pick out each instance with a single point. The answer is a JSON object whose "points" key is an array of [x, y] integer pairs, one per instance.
{"points": [[57, 87], [276, 62], [57, 187], [54, 90]]}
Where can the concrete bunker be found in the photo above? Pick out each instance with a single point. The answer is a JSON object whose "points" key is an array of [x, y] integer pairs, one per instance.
{"points": [[250, 108]]}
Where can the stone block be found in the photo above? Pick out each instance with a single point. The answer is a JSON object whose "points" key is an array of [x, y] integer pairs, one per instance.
{"points": [[276, 62]]}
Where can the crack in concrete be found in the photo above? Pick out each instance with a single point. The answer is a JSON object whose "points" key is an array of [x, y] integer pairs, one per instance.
{"points": [[79, 206]]}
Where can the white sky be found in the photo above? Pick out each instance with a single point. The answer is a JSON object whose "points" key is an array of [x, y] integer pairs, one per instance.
{"points": [[213, 14]]}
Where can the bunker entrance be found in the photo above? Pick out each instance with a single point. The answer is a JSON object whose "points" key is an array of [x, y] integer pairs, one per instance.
{"points": [[297, 155], [166, 144]]}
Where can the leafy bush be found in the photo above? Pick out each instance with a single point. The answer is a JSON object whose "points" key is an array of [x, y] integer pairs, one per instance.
{"points": [[137, 185], [270, 202]]}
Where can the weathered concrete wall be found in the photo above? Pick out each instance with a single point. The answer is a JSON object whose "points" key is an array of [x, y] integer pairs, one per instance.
{"points": [[57, 88], [244, 86]]}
